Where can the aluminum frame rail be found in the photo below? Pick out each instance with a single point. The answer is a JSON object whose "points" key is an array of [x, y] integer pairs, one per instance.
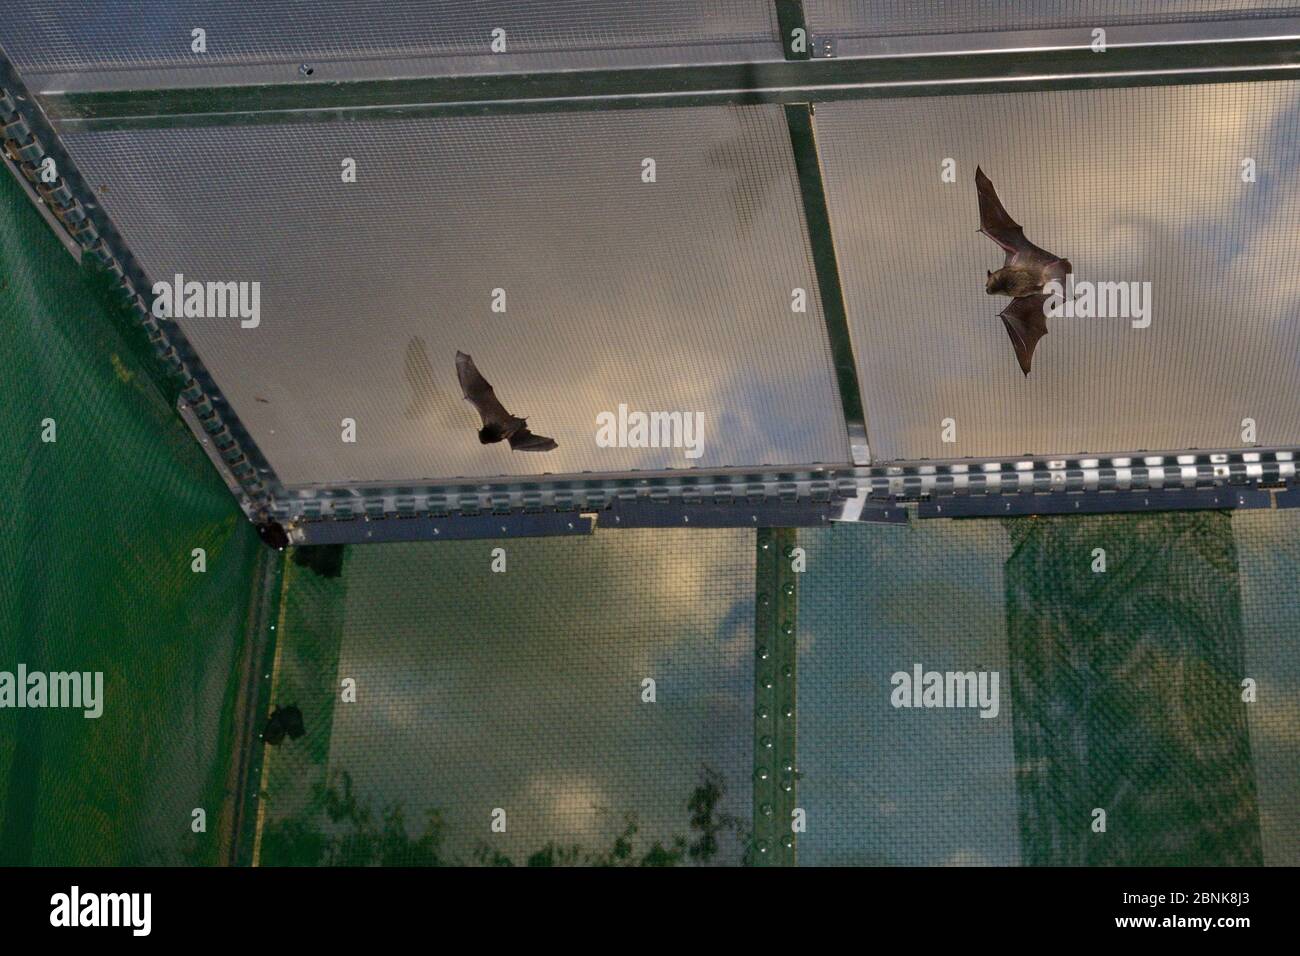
{"points": [[1265, 49]]}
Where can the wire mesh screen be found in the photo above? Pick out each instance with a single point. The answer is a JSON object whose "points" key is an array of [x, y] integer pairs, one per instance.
{"points": [[867, 18], [1126, 692], [892, 786], [94, 43], [1143, 713], [593, 265], [1268, 556], [1175, 206], [587, 702], [108, 497]]}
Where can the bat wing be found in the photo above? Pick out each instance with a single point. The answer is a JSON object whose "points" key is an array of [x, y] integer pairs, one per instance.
{"points": [[524, 440], [479, 393], [997, 224], [293, 725], [273, 731], [1026, 324]]}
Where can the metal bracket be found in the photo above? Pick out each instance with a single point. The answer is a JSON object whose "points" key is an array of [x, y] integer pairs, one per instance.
{"points": [[775, 658], [1097, 502], [364, 530], [862, 508], [211, 447], [822, 48]]}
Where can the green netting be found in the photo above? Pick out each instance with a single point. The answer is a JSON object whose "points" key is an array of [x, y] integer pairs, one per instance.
{"points": [[518, 696], [1268, 561], [1126, 691], [96, 536]]}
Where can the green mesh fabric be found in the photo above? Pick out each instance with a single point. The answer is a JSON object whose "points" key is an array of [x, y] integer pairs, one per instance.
{"points": [[1268, 559], [518, 697], [96, 536], [1126, 691]]}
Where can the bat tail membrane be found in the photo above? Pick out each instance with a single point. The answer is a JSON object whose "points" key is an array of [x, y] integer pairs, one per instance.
{"points": [[524, 440]]}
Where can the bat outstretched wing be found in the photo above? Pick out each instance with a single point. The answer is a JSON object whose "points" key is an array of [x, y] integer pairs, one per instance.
{"points": [[997, 224], [479, 393], [524, 440], [1026, 324], [995, 221]]}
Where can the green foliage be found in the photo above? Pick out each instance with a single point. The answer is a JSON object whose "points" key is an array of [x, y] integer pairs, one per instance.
{"points": [[337, 829]]}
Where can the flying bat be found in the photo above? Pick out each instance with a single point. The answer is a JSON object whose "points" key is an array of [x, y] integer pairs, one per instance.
{"points": [[1026, 269], [284, 721], [498, 424]]}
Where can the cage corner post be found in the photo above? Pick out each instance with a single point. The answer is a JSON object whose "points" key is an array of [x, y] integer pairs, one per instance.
{"points": [[775, 715]]}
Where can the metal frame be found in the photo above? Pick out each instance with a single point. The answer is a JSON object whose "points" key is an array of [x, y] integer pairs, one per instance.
{"points": [[814, 80], [1225, 30], [803, 496], [817, 217], [776, 620]]}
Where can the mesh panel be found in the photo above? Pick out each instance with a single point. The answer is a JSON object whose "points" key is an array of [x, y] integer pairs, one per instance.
{"points": [[95, 576], [1121, 690], [1268, 555], [893, 786], [1158, 197], [668, 296], [82, 35], [520, 691], [1126, 696], [868, 18]]}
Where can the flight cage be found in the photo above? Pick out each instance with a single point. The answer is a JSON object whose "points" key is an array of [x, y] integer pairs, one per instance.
{"points": [[757, 218]]}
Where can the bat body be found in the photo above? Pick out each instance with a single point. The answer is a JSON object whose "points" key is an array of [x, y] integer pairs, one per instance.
{"points": [[498, 424], [284, 721], [272, 533], [1025, 270]]}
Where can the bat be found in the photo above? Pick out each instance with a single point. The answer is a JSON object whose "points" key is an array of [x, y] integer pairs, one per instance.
{"points": [[498, 424], [284, 721], [272, 533], [1025, 270]]}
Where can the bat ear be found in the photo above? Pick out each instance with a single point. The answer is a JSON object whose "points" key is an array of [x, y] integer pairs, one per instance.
{"points": [[989, 273]]}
